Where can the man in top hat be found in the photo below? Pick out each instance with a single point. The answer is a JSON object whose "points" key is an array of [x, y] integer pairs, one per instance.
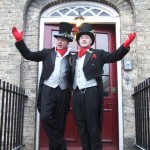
{"points": [[54, 93], [87, 67]]}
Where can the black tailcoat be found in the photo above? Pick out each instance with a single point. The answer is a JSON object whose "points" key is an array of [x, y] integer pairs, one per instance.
{"points": [[48, 57], [93, 67]]}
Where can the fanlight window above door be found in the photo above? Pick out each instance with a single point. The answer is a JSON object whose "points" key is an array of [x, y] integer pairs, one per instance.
{"points": [[73, 9]]}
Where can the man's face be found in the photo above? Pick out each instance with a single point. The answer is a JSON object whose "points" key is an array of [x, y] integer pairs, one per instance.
{"points": [[85, 41], [61, 43]]}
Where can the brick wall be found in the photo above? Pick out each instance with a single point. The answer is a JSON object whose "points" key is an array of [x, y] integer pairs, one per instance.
{"points": [[25, 15]]}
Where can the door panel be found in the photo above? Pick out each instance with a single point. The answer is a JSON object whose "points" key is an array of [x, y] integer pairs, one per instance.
{"points": [[105, 39]]}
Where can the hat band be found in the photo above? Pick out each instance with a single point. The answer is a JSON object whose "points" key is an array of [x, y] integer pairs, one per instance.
{"points": [[66, 35]]}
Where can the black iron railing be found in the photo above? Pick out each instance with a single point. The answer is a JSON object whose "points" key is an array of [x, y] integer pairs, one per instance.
{"points": [[12, 100], [142, 114]]}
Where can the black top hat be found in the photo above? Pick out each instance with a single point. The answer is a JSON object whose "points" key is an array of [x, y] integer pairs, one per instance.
{"points": [[64, 31], [87, 29]]}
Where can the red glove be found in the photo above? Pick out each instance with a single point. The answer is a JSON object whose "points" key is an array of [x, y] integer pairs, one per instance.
{"points": [[18, 36], [129, 40]]}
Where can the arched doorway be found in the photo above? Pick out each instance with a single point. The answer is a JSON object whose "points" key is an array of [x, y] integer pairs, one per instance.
{"points": [[100, 16]]}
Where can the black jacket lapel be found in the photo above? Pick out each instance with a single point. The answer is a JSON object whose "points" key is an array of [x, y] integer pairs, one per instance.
{"points": [[74, 57], [53, 56], [87, 57]]}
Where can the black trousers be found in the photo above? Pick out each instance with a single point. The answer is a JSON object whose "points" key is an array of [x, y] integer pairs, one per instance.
{"points": [[54, 110], [86, 110]]}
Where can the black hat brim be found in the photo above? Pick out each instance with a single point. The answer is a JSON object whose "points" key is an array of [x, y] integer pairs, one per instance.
{"points": [[60, 36], [85, 33]]}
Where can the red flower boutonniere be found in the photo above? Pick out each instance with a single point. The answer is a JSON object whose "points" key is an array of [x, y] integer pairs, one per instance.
{"points": [[94, 56]]}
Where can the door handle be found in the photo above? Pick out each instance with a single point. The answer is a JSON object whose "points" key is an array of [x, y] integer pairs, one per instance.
{"points": [[109, 104], [114, 90]]}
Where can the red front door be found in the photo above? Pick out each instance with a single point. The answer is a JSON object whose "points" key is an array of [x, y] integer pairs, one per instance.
{"points": [[105, 39]]}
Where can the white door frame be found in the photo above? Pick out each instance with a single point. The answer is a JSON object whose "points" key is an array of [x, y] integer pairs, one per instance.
{"points": [[93, 20]]}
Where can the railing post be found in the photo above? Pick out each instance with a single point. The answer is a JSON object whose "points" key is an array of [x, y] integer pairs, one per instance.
{"points": [[2, 114]]}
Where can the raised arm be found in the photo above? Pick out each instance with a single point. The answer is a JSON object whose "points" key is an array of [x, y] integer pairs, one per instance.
{"points": [[120, 52], [25, 52]]}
